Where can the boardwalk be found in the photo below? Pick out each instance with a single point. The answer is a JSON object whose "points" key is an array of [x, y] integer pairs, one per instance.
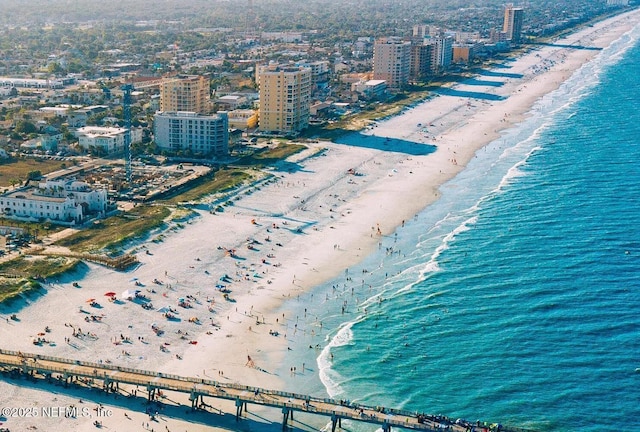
{"points": [[122, 262], [112, 376]]}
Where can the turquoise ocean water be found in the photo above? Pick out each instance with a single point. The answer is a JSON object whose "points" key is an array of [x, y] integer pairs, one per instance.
{"points": [[516, 297]]}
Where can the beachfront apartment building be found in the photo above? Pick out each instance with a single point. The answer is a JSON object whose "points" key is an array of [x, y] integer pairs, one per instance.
{"points": [[285, 98], [185, 94], [421, 60], [441, 53], [106, 140], [392, 61], [512, 26], [189, 131], [64, 202]]}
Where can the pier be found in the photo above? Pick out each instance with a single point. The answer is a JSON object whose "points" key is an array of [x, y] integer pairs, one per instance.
{"points": [[110, 377]]}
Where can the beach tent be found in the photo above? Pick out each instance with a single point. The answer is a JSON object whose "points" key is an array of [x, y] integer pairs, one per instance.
{"points": [[129, 294]]}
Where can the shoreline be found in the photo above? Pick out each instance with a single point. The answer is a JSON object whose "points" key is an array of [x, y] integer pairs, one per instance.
{"points": [[318, 243]]}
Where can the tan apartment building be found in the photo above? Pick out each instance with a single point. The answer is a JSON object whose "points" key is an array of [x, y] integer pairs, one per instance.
{"points": [[285, 98], [512, 26], [185, 94], [391, 61]]}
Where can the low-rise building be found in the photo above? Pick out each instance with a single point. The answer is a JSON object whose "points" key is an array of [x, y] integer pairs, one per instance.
{"points": [[370, 89], [243, 119], [109, 140], [232, 101], [54, 83], [59, 201]]}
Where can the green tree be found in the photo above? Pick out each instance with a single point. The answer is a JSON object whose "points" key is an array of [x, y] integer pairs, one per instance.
{"points": [[34, 175], [26, 127], [55, 68]]}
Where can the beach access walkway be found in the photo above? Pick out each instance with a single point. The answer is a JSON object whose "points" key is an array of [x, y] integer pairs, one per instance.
{"points": [[111, 377], [122, 262]]}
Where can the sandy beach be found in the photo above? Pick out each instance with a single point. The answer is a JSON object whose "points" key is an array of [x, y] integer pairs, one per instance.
{"points": [[212, 288]]}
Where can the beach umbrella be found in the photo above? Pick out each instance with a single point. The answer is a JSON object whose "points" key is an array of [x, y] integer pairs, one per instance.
{"points": [[129, 294], [219, 286], [91, 300], [110, 294], [164, 309]]}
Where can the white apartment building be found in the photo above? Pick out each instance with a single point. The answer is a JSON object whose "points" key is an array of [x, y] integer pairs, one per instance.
{"points": [[200, 134], [319, 71], [59, 201], [370, 89], [442, 52], [109, 139]]}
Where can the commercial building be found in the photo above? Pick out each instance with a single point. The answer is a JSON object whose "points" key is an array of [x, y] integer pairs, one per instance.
{"points": [[185, 93], [243, 119], [232, 101], [59, 201], [285, 98], [57, 83], [107, 140], [391, 61], [198, 134], [513, 18]]}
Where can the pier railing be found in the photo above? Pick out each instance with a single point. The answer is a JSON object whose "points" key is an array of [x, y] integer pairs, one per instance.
{"points": [[112, 375]]}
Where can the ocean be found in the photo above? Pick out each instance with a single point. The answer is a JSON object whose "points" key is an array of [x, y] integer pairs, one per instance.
{"points": [[516, 297]]}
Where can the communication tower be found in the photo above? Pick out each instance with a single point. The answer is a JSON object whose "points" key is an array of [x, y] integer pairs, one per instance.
{"points": [[126, 114]]}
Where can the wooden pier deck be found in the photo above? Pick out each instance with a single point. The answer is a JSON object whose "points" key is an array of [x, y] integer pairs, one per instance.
{"points": [[111, 377]]}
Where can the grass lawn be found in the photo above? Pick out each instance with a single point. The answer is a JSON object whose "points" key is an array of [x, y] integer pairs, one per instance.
{"points": [[222, 180], [18, 169], [113, 232], [270, 155]]}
